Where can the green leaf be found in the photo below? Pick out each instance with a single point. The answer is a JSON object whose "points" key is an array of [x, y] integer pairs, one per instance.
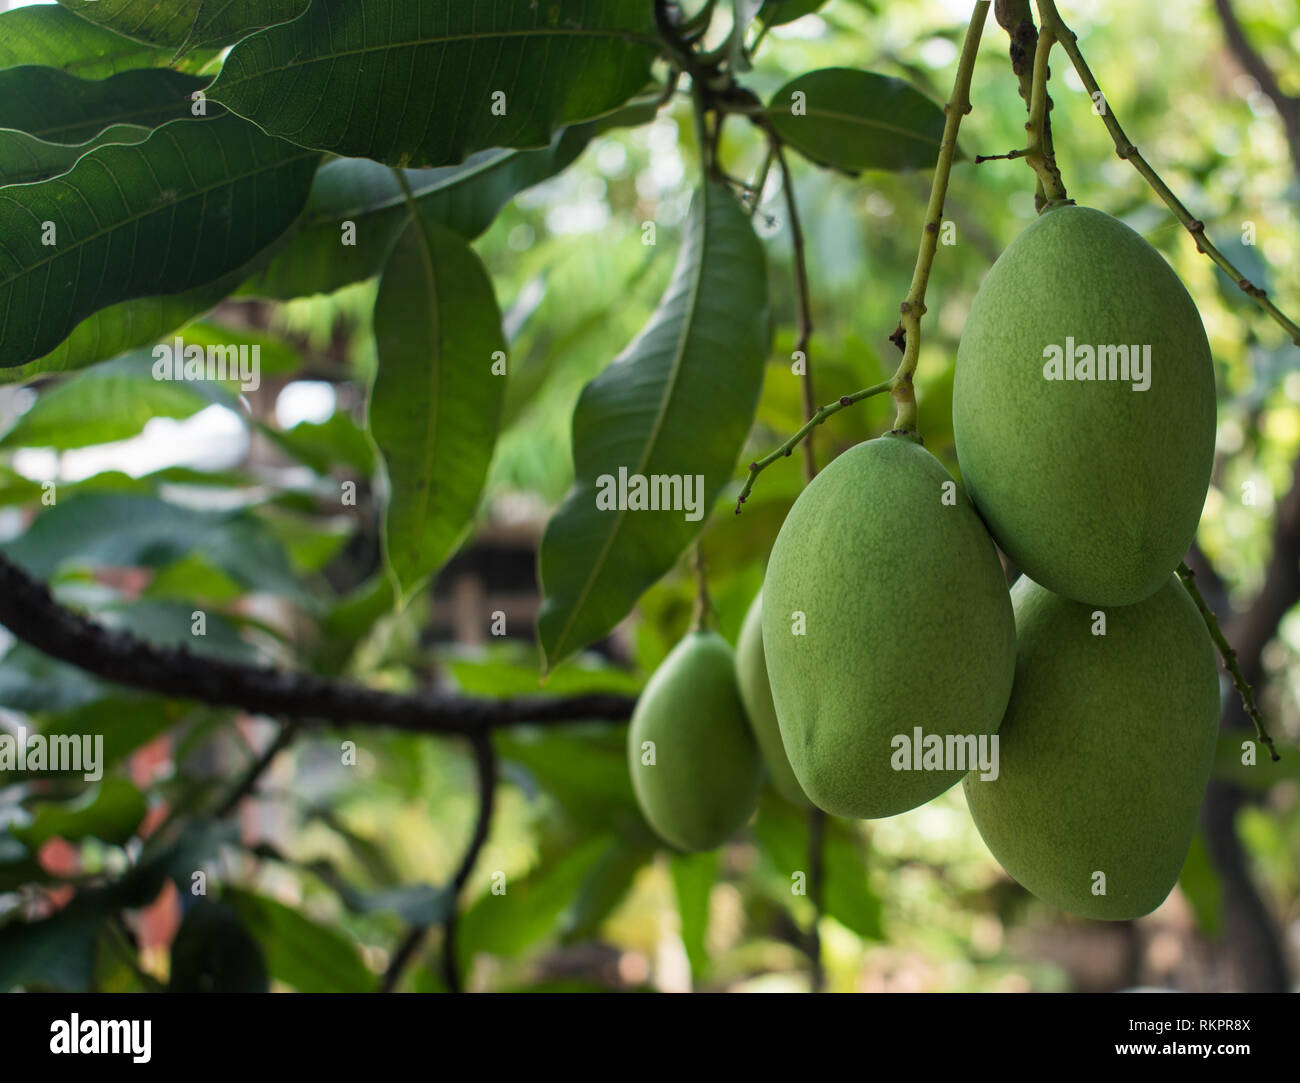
{"points": [[693, 877], [311, 957], [855, 120], [416, 84], [321, 445], [129, 325], [435, 406], [678, 402], [109, 402], [132, 220], [779, 12], [126, 721], [1199, 882], [60, 108], [531, 908], [214, 953], [187, 23], [464, 198], [24, 158], [110, 812], [55, 38], [605, 887], [57, 953], [586, 773], [130, 530]]}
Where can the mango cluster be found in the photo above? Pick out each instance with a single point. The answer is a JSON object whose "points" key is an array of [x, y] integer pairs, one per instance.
{"points": [[885, 659]]}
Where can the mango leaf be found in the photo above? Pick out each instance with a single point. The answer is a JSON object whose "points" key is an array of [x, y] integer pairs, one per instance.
{"points": [[24, 158], [130, 530], [854, 120], [60, 108], [605, 887], [585, 772], [110, 812], [186, 23], [129, 325], [780, 12], [1199, 882], [464, 198], [531, 908], [311, 957], [214, 953], [133, 221], [126, 721], [425, 84], [435, 405], [693, 877], [57, 953], [55, 38], [678, 403], [108, 402]]}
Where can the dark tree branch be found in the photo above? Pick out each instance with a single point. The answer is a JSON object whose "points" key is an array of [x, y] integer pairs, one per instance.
{"points": [[486, 764], [29, 611], [1288, 107]]}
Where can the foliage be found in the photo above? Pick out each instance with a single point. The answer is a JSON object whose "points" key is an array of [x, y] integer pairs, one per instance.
{"points": [[543, 287]]}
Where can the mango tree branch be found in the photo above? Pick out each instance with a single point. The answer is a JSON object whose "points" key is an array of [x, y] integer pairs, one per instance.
{"points": [[1038, 156], [1229, 657], [29, 611], [1124, 147], [908, 334], [759, 465]]}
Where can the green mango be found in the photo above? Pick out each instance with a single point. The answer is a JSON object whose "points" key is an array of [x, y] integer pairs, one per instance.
{"points": [[696, 769], [1091, 487], [1105, 750], [756, 695], [885, 609]]}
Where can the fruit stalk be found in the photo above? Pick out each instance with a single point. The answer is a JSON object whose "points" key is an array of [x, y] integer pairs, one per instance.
{"points": [[1051, 21], [908, 334], [1038, 154], [1229, 657]]}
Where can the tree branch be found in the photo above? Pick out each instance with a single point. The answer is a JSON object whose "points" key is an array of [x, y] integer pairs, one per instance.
{"points": [[29, 611], [1288, 107]]}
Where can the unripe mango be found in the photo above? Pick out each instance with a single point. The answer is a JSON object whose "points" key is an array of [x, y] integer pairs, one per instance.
{"points": [[1090, 484], [756, 695], [1105, 750], [885, 610], [695, 766]]}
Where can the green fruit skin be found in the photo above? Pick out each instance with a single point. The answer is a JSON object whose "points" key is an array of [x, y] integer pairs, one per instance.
{"points": [[1105, 750], [703, 786], [908, 623], [1093, 489], [756, 695]]}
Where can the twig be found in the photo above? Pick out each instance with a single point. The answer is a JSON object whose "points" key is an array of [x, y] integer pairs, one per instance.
{"points": [[802, 297], [908, 333], [1037, 154], [29, 611], [816, 879], [486, 764], [1229, 657], [242, 788], [759, 465], [1125, 148], [703, 606]]}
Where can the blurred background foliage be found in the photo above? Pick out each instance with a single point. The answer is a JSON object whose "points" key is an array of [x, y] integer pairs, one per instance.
{"points": [[177, 497]]}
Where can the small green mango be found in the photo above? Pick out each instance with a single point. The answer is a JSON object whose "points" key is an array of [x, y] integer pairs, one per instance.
{"points": [[1091, 487], [1105, 750], [885, 610], [696, 769], [756, 695]]}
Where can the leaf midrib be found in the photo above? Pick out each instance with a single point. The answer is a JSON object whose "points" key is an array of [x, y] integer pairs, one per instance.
{"points": [[418, 43], [687, 326]]}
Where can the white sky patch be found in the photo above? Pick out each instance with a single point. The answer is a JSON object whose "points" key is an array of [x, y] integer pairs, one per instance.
{"points": [[305, 400], [212, 439]]}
